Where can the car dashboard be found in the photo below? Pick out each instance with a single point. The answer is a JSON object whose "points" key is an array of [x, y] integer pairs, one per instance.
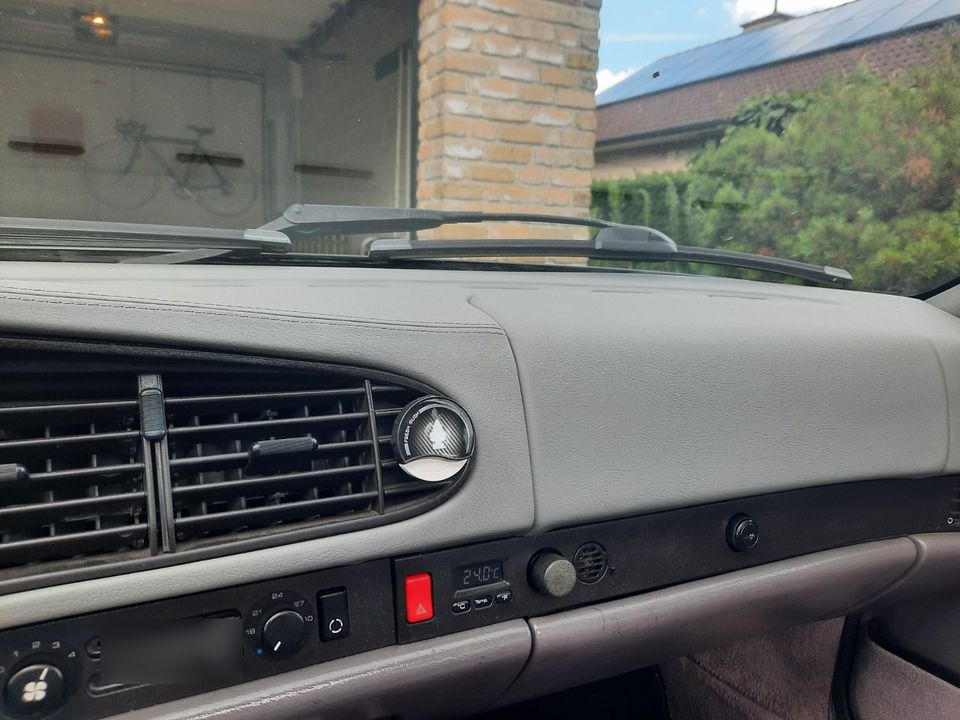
{"points": [[661, 463]]}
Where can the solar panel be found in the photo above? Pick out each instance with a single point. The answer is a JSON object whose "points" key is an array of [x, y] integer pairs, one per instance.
{"points": [[843, 25]]}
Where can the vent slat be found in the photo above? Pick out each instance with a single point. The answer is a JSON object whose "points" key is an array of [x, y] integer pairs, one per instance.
{"points": [[263, 397], [18, 514], [304, 509], [67, 440], [68, 408], [229, 460], [27, 551], [100, 471], [271, 483], [190, 430]]}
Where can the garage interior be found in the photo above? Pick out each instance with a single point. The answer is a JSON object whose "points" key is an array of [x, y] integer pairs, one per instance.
{"points": [[185, 112]]}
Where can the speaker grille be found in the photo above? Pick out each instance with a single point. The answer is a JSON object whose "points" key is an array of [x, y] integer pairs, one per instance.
{"points": [[590, 562]]}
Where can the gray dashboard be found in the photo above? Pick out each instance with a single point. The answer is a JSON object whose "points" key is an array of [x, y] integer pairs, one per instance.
{"points": [[594, 396]]}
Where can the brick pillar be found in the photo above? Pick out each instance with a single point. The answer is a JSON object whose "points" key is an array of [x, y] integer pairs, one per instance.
{"points": [[507, 108]]}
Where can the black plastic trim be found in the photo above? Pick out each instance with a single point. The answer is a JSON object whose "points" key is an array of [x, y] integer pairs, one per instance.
{"points": [[675, 546], [841, 686], [369, 598], [155, 356]]}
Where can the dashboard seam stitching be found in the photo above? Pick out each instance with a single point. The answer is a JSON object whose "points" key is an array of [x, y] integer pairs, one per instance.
{"points": [[946, 396], [241, 308], [260, 316]]}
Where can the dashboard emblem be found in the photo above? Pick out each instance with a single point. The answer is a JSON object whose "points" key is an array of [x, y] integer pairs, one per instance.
{"points": [[433, 438]]}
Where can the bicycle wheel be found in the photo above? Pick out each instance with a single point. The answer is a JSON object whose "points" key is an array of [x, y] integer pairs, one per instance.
{"points": [[225, 192], [119, 176]]}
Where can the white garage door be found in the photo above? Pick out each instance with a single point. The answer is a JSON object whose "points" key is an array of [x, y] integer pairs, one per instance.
{"points": [[106, 141]]}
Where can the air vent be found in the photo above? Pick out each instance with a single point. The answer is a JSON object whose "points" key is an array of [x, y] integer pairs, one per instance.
{"points": [[254, 452], [118, 459], [73, 482], [590, 561]]}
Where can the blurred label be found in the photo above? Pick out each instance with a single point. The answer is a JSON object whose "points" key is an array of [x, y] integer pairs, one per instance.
{"points": [[198, 651]]}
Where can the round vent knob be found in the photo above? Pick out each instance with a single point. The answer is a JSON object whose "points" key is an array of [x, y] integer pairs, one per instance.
{"points": [[552, 574], [590, 562]]}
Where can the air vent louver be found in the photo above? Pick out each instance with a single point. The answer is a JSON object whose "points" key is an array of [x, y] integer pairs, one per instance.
{"points": [[328, 454], [126, 459], [72, 476]]}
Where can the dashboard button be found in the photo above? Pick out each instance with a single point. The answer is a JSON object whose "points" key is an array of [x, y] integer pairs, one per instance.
{"points": [[334, 615], [419, 597], [504, 596], [460, 606], [743, 533], [34, 690], [482, 602]]}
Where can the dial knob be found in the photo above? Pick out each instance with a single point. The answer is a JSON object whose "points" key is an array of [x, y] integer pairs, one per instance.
{"points": [[552, 574], [283, 634], [36, 689]]}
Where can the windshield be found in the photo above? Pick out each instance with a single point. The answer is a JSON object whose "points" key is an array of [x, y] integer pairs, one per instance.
{"points": [[809, 130]]}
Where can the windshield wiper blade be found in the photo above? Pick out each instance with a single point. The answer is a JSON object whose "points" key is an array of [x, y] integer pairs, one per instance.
{"points": [[613, 241], [599, 249], [113, 236], [312, 220]]}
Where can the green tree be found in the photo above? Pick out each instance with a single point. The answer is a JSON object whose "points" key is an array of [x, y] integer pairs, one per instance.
{"points": [[864, 176], [863, 173]]}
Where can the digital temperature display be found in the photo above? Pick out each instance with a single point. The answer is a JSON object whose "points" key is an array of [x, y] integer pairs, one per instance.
{"points": [[485, 573]]}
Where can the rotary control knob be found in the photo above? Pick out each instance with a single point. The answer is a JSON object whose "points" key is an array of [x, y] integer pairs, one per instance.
{"points": [[34, 690], [283, 634], [552, 574], [278, 625]]}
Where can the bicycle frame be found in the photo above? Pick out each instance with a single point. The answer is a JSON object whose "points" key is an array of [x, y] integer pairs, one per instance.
{"points": [[136, 133]]}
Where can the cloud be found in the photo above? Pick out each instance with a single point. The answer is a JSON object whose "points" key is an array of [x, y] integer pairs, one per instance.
{"points": [[741, 11], [701, 11], [648, 37], [608, 78]]}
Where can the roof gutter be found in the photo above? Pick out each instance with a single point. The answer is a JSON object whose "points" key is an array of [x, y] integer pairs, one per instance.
{"points": [[693, 131]]}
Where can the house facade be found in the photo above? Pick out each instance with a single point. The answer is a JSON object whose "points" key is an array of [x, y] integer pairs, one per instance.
{"points": [[656, 119]]}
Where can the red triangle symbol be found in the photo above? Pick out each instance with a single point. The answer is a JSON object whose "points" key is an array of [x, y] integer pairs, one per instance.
{"points": [[421, 610]]}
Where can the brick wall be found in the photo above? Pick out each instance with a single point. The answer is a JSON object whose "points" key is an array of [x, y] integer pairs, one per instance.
{"points": [[626, 163], [507, 108]]}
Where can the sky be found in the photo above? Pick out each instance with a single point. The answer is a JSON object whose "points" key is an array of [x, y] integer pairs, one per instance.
{"points": [[634, 33]]}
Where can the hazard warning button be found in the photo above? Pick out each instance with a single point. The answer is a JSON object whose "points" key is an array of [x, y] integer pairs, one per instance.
{"points": [[419, 593]]}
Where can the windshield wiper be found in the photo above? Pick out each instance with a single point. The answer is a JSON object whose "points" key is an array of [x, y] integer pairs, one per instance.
{"points": [[182, 244], [613, 241], [311, 220], [390, 249]]}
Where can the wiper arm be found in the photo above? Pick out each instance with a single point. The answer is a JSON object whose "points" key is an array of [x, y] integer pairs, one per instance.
{"points": [[311, 220], [613, 241], [599, 249], [112, 236]]}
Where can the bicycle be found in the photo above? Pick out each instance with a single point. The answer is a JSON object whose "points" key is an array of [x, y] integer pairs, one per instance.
{"points": [[125, 172]]}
